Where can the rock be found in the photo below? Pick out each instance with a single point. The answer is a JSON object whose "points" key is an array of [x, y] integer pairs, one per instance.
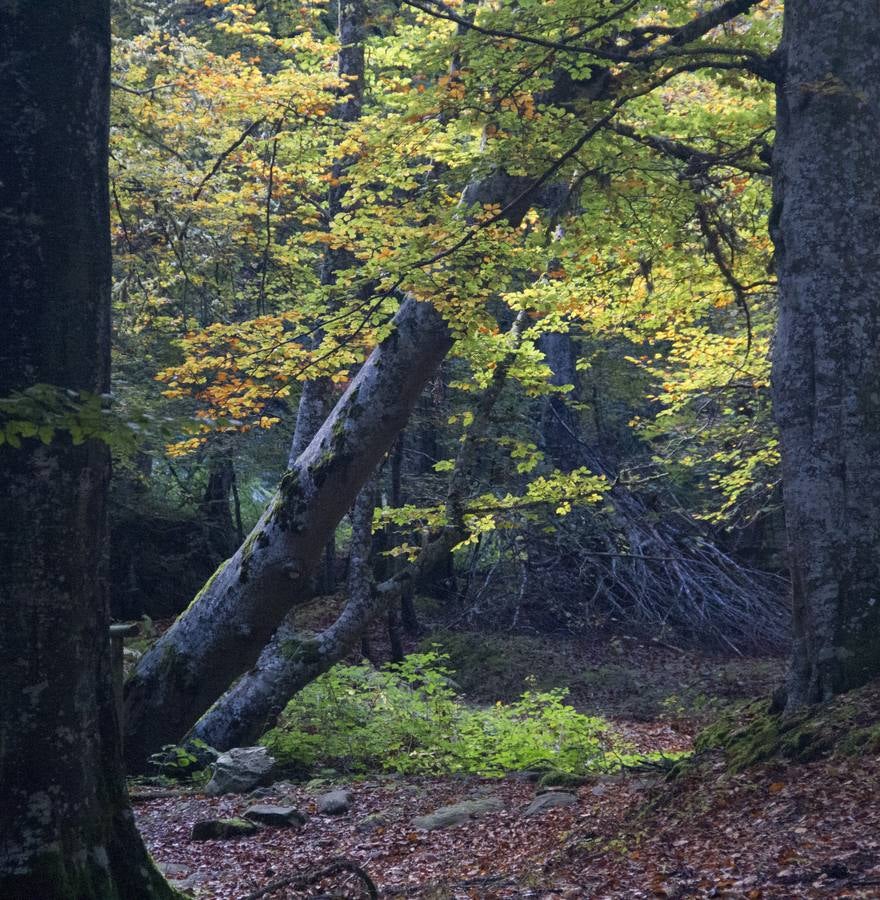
{"points": [[260, 793], [551, 800], [240, 769], [555, 780], [335, 803], [222, 829], [371, 823], [189, 883], [173, 870], [281, 816], [457, 814]]}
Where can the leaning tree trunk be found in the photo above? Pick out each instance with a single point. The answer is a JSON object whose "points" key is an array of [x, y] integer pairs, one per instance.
{"points": [[292, 660], [235, 614], [826, 366], [66, 828]]}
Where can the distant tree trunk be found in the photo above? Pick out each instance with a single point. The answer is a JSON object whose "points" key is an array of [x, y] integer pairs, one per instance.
{"points": [[215, 514], [66, 828], [317, 393], [560, 430], [826, 366], [224, 630], [408, 616]]}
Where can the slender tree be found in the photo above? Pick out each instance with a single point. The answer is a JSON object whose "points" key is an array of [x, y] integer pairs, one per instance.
{"points": [[66, 828], [826, 374]]}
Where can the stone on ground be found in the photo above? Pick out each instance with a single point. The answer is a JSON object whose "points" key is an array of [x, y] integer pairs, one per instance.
{"points": [[280, 816], [239, 770], [457, 813], [223, 829], [335, 803], [550, 800]]}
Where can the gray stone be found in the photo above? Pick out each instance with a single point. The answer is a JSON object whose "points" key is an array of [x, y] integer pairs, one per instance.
{"points": [[189, 883], [551, 800], [260, 793], [335, 803], [239, 770], [173, 870], [457, 814], [223, 829], [372, 822], [282, 816]]}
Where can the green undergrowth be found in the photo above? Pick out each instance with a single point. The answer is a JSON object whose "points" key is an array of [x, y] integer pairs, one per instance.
{"points": [[408, 718], [847, 725]]}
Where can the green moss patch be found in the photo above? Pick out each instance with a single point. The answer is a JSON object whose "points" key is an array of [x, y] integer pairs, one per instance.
{"points": [[753, 733]]}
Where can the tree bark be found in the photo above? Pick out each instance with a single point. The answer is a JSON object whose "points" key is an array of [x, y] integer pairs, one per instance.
{"points": [[291, 660], [233, 617], [215, 514], [66, 829], [559, 422], [826, 365]]}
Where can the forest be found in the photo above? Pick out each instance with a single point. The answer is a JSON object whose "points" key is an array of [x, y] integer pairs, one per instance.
{"points": [[439, 449]]}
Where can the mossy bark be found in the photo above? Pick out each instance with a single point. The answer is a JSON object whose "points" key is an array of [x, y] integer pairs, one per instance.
{"points": [[66, 829], [826, 367]]}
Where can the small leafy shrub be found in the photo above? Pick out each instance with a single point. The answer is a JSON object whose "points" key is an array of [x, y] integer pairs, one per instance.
{"points": [[183, 763], [407, 718]]}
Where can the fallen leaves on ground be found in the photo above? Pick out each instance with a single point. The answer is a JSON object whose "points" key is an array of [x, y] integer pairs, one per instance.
{"points": [[799, 831]]}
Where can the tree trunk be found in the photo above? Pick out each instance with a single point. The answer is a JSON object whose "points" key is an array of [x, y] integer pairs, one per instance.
{"points": [[826, 366], [291, 660], [66, 828], [315, 399], [215, 514], [233, 617], [560, 429]]}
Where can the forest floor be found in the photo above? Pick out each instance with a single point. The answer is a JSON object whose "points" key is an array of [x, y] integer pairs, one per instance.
{"points": [[775, 830]]}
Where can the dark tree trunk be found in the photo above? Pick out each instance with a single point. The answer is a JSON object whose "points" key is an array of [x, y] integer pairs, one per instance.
{"points": [[66, 828], [560, 429], [215, 514], [826, 367]]}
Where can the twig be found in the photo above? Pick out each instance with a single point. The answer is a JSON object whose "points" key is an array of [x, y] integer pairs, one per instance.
{"points": [[333, 867]]}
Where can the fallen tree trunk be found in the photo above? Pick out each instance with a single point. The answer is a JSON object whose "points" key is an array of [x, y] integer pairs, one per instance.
{"points": [[235, 614]]}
